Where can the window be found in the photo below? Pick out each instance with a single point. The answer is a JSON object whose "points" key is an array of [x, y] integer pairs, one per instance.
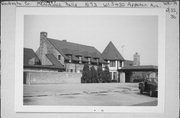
{"points": [[97, 60], [120, 63], [80, 60], [70, 58], [112, 64], [89, 60], [59, 57]]}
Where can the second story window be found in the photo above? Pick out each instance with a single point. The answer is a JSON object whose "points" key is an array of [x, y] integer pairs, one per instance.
{"points": [[59, 57], [89, 60], [80, 60], [97, 60], [112, 64], [70, 58], [120, 63]]}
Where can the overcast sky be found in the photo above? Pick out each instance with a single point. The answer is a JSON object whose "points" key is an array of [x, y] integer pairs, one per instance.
{"points": [[129, 34]]}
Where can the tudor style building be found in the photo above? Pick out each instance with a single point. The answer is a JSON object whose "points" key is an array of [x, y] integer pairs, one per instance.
{"points": [[61, 55], [114, 59], [71, 56]]}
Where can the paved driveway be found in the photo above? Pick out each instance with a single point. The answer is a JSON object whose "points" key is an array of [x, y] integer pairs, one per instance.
{"points": [[100, 94]]}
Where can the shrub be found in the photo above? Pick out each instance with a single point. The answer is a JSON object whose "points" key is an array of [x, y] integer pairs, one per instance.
{"points": [[93, 75], [106, 75], [85, 74], [99, 74], [114, 80], [138, 80]]}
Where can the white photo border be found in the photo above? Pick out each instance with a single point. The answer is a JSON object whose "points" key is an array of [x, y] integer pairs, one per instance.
{"points": [[19, 44]]}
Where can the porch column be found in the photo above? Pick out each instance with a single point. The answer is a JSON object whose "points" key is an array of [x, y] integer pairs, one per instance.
{"points": [[122, 77]]}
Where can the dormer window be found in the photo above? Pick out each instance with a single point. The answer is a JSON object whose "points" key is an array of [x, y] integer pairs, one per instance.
{"points": [[59, 57], [89, 60], [70, 58], [80, 59], [97, 60]]}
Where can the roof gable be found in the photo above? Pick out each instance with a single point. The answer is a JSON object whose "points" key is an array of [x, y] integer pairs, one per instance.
{"points": [[29, 54], [111, 53], [54, 60]]}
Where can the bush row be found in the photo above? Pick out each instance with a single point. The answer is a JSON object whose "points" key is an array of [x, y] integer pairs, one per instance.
{"points": [[91, 75]]}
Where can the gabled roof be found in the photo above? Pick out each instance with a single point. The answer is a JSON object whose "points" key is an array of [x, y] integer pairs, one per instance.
{"points": [[29, 54], [54, 60], [111, 53], [74, 49]]}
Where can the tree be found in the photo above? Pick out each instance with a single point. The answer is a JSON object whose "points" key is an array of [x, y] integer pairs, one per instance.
{"points": [[106, 75], [85, 74], [93, 75], [99, 74]]}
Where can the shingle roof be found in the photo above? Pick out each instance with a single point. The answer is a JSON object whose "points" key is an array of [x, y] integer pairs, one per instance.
{"points": [[111, 53], [54, 60], [75, 49], [29, 54], [128, 63]]}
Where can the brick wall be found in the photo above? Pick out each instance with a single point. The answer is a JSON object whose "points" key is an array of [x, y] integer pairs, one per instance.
{"points": [[47, 48], [52, 78], [71, 67]]}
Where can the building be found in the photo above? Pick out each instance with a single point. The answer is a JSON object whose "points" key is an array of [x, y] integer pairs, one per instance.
{"points": [[114, 59], [33, 63], [61, 55], [71, 56]]}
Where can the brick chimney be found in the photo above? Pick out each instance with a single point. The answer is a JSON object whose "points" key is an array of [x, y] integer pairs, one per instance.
{"points": [[136, 61], [43, 35], [43, 47]]}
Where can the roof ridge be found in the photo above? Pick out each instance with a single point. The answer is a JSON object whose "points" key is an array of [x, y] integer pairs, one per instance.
{"points": [[71, 42]]}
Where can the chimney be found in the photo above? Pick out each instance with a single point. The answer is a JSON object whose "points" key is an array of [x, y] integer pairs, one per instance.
{"points": [[43, 47], [136, 61], [43, 35]]}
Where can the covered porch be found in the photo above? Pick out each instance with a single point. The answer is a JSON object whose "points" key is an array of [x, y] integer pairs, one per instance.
{"points": [[126, 72]]}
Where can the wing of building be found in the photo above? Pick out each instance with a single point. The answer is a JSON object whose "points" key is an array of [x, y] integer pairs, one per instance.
{"points": [[33, 63], [70, 55], [114, 59]]}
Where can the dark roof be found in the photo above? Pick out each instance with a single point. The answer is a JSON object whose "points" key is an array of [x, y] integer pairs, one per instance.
{"points": [[29, 54], [140, 68], [111, 53], [75, 49], [128, 63], [54, 60]]}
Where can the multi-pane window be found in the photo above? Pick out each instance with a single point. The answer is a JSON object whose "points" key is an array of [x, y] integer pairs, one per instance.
{"points": [[59, 57], [112, 64]]}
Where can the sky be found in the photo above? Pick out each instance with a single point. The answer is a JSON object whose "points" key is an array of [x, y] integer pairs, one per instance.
{"points": [[130, 34]]}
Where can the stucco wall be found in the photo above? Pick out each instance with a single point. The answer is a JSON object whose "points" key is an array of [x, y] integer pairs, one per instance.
{"points": [[52, 78]]}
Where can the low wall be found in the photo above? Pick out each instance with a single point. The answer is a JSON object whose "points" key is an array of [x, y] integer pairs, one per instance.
{"points": [[52, 78]]}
